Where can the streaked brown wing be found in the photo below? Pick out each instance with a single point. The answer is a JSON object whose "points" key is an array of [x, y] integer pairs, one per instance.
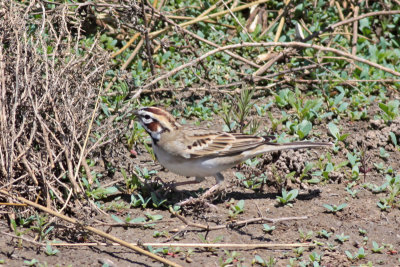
{"points": [[219, 143]]}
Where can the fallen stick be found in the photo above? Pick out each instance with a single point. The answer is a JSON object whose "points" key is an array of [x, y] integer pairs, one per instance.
{"points": [[92, 229], [193, 245]]}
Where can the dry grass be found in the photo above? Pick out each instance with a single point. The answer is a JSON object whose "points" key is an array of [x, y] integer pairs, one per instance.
{"points": [[49, 84]]}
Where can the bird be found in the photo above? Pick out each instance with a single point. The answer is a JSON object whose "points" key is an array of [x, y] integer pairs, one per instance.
{"points": [[193, 151]]}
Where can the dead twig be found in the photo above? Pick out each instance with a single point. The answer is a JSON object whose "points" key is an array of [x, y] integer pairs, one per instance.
{"points": [[91, 229], [196, 245], [267, 44], [234, 224]]}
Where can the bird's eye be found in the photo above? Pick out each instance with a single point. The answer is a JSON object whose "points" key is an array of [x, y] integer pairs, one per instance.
{"points": [[147, 117]]}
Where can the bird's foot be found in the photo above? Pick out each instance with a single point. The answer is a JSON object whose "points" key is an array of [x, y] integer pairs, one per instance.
{"points": [[203, 199]]}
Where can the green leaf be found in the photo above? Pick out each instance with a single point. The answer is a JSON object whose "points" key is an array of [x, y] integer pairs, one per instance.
{"points": [[117, 219], [334, 130], [304, 129], [393, 138]]}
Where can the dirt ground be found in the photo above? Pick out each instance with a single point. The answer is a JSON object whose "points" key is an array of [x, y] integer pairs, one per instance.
{"points": [[362, 220]]}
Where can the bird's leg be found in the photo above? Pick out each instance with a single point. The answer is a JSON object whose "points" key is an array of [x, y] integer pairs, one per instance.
{"points": [[219, 178]]}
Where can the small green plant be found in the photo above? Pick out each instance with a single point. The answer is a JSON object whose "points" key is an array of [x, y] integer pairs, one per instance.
{"points": [[327, 168], [157, 203], [394, 141], [315, 258], [353, 193], [303, 129], [231, 258], [383, 204], [139, 200], [32, 262], [362, 232], [42, 226], [160, 234], [342, 238], [360, 254], [335, 132], [236, 209], [299, 251], [238, 114], [333, 208], [268, 229], [260, 261], [376, 248], [390, 111], [287, 197], [50, 251], [205, 241], [325, 234], [145, 173], [383, 153], [275, 122], [305, 236]]}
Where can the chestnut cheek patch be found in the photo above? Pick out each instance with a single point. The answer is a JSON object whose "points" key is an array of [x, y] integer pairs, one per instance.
{"points": [[153, 126]]}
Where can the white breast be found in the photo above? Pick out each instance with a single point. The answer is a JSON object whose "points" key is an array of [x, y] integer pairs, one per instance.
{"points": [[200, 167]]}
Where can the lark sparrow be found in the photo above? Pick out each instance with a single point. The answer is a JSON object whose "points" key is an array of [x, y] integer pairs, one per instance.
{"points": [[200, 152]]}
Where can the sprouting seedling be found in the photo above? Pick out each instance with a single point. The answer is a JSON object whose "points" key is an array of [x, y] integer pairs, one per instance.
{"points": [[390, 111], [325, 234], [287, 196], [333, 208], [376, 248], [335, 132], [236, 209], [342, 238], [393, 138], [360, 254], [268, 229]]}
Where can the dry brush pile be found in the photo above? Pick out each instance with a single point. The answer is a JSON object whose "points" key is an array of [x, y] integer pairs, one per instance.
{"points": [[49, 88]]}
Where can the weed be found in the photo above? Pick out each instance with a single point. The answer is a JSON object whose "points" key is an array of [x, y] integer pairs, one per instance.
{"points": [[315, 258], [335, 132], [287, 197], [342, 238], [231, 258], [383, 153], [333, 208], [215, 240], [42, 227], [325, 234], [305, 236], [360, 254], [238, 115], [32, 262], [393, 139], [160, 234], [376, 248], [383, 204], [236, 209], [299, 251], [390, 111], [268, 229], [50, 251]]}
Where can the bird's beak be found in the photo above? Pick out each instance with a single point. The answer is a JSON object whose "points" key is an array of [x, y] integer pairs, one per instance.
{"points": [[135, 113]]}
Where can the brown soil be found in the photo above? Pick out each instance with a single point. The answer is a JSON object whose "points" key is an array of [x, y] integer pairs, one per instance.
{"points": [[362, 212]]}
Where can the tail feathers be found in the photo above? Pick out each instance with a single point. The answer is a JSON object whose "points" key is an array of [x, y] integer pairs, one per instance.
{"points": [[270, 147]]}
